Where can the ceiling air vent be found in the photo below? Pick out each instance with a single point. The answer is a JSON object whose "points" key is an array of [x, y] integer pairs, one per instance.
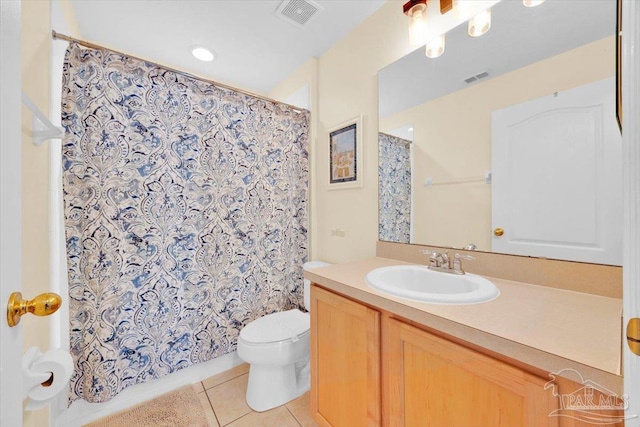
{"points": [[476, 77], [298, 12]]}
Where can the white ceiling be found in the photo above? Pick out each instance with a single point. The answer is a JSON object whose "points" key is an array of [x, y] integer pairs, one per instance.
{"points": [[255, 49], [519, 36]]}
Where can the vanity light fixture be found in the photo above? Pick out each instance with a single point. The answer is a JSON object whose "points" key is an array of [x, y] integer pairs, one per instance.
{"points": [[203, 54], [480, 24], [435, 47], [416, 10], [532, 3]]}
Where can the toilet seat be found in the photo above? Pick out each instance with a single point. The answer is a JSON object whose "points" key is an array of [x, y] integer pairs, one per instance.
{"points": [[283, 326]]}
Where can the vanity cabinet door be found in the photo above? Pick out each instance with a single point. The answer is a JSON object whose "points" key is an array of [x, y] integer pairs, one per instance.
{"points": [[345, 361], [429, 381]]}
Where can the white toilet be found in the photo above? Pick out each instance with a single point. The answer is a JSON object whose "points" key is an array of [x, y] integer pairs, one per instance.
{"points": [[277, 348]]}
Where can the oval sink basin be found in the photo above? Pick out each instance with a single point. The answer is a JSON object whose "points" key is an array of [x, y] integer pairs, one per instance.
{"points": [[418, 283]]}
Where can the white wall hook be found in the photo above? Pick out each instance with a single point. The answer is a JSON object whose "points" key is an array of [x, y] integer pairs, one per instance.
{"points": [[43, 129]]}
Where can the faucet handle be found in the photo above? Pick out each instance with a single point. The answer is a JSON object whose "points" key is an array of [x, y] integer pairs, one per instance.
{"points": [[457, 262]]}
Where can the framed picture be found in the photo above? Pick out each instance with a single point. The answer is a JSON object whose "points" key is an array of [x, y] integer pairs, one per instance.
{"points": [[345, 155], [619, 65]]}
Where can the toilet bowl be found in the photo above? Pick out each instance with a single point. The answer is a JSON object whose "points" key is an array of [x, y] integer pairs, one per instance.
{"points": [[277, 348]]}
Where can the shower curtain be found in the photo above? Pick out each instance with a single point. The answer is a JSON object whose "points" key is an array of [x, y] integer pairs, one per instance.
{"points": [[394, 188], [185, 217]]}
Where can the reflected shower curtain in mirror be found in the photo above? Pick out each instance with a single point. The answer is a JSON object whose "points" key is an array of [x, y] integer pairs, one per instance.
{"points": [[185, 217], [394, 188]]}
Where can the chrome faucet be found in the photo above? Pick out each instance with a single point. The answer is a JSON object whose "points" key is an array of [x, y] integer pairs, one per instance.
{"points": [[444, 263]]}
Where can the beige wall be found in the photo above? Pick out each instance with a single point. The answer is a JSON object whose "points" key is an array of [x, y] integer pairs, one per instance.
{"points": [[69, 15], [348, 87], [456, 215], [35, 42]]}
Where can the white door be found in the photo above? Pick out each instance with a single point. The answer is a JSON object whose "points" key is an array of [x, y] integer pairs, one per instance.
{"points": [[10, 211], [557, 174]]}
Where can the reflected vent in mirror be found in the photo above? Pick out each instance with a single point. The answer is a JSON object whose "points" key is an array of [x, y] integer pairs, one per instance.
{"points": [[298, 12], [477, 77]]}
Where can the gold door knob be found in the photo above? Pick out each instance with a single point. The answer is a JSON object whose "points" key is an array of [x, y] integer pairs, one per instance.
{"points": [[498, 232], [633, 335], [42, 305]]}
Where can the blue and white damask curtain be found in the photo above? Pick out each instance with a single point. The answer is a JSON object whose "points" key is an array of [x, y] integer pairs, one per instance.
{"points": [[394, 188], [186, 217]]}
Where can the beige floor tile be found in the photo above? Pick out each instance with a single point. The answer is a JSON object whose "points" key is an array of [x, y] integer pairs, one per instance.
{"points": [[198, 386], [226, 376], [277, 417], [208, 410], [301, 409], [228, 399]]}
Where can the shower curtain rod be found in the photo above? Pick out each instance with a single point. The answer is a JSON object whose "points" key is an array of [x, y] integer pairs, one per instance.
{"points": [[57, 36]]}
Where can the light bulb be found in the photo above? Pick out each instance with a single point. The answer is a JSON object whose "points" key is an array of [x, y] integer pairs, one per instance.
{"points": [[435, 47], [532, 3], [417, 25], [480, 24]]}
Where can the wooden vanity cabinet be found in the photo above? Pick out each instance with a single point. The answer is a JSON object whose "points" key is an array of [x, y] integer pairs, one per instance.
{"points": [[371, 369], [429, 381], [345, 361]]}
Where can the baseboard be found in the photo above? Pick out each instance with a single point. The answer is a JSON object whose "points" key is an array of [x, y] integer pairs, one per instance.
{"points": [[82, 412]]}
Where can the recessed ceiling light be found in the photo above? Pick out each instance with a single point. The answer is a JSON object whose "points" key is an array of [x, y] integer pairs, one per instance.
{"points": [[410, 129], [203, 54]]}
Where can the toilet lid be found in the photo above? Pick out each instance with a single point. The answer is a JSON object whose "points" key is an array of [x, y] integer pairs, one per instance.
{"points": [[276, 327]]}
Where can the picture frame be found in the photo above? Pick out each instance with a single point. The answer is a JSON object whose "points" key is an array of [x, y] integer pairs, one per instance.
{"points": [[346, 155], [619, 64]]}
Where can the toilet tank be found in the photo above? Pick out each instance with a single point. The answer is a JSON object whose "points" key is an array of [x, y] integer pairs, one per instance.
{"points": [[308, 266]]}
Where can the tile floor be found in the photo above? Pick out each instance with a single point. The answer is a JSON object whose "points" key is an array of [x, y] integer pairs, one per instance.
{"points": [[223, 396]]}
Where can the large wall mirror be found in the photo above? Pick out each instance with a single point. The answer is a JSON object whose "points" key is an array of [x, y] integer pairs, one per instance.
{"points": [[508, 142]]}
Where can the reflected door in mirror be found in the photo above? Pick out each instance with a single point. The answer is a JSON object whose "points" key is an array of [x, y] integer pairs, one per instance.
{"points": [[556, 176]]}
